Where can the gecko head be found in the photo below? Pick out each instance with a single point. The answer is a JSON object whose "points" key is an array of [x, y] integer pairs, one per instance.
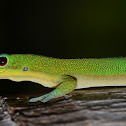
{"points": [[4, 60]]}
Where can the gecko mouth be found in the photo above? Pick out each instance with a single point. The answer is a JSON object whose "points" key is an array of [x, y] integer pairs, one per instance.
{"points": [[2, 74]]}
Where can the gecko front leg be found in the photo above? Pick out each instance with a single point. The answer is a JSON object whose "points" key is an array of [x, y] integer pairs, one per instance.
{"points": [[67, 85]]}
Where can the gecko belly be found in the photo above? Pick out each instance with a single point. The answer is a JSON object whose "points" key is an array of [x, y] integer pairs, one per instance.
{"points": [[99, 81], [37, 77], [47, 80], [44, 82]]}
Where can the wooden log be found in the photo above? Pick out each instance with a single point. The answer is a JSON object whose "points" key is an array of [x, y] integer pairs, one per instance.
{"points": [[91, 107]]}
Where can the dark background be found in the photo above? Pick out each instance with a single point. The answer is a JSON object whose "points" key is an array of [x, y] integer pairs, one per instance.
{"points": [[63, 28]]}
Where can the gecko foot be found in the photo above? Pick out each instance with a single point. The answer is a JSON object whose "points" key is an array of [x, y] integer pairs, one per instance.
{"points": [[43, 98], [68, 84]]}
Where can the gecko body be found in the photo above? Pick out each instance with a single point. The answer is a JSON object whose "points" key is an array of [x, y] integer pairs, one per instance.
{"points": [[64, 75]]}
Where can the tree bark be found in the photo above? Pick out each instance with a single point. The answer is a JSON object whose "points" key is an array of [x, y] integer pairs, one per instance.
{"points": [[90, 107]]}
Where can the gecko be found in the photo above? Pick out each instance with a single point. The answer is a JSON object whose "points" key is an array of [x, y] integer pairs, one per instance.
{"points": [[64, 75]]}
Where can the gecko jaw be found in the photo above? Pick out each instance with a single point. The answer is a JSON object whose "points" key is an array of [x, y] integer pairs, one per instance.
{"points": [[1, 71]]}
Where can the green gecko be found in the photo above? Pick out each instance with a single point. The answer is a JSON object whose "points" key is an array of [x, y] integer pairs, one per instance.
{"points": [[64, 75]]}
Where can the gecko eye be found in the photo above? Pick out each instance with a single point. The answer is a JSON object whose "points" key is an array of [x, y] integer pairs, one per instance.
{"points": [[3, 61]]}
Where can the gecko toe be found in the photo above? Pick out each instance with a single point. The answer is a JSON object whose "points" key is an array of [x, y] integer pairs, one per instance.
{"points": [[32, 100], [38, 98], [46, 99]]}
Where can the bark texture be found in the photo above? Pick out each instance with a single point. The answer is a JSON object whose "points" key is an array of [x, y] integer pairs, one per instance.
{"points": [[102, 107]]}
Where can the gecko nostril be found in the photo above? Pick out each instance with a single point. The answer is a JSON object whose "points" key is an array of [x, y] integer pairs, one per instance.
{"points": [[25, 68]]}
